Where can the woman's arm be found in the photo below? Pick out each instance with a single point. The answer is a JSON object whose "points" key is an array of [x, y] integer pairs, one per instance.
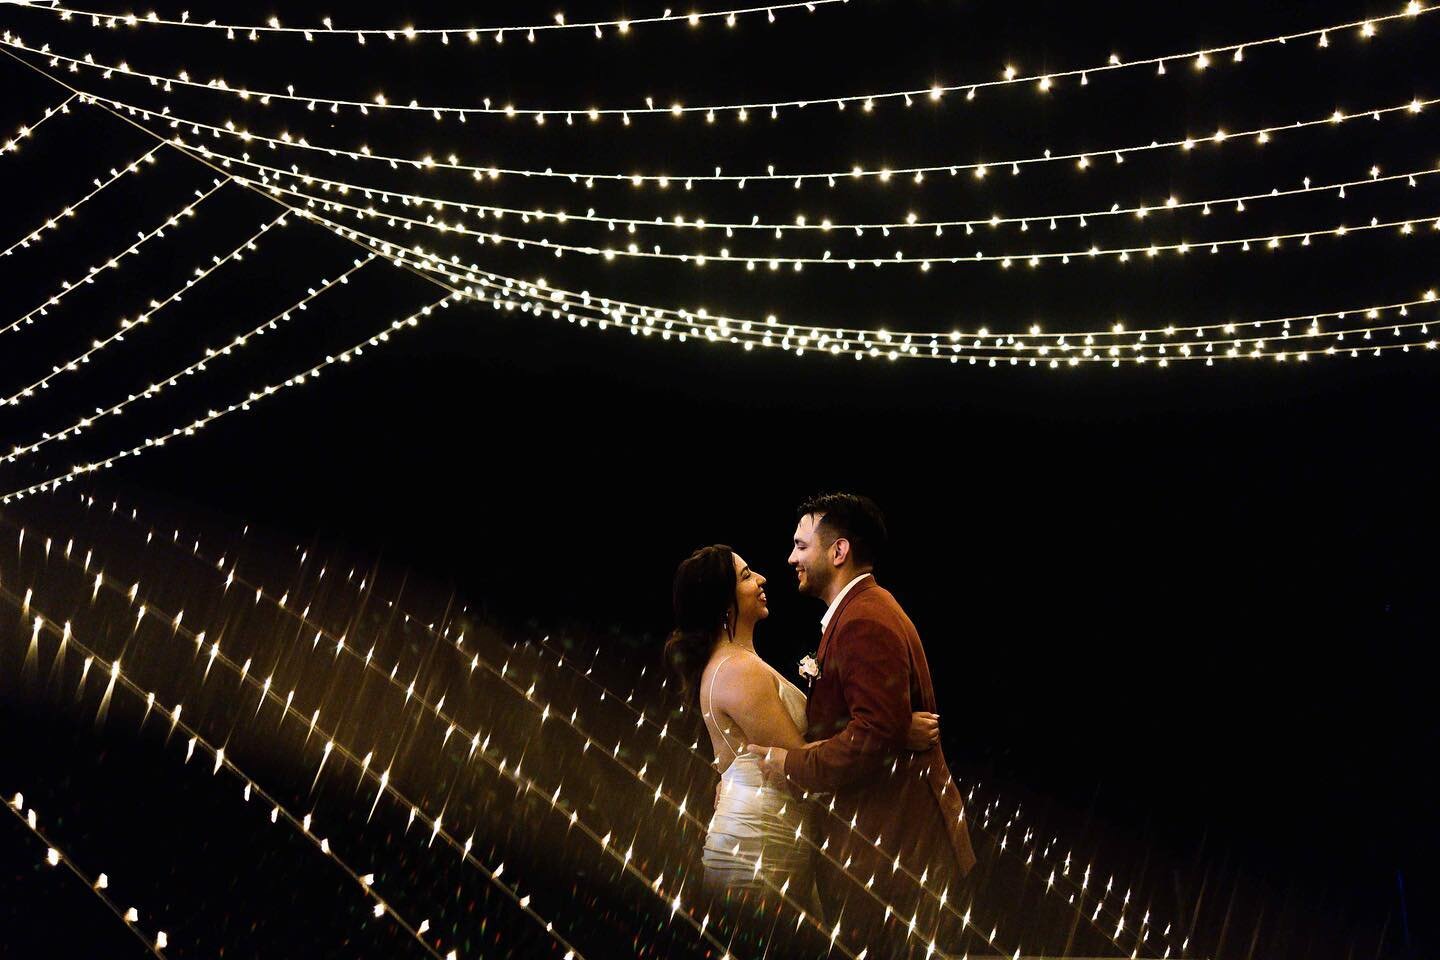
{"points": [[746, 692]]}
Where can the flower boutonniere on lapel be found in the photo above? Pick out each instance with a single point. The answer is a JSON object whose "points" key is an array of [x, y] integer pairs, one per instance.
{"points": [[809, 669]]}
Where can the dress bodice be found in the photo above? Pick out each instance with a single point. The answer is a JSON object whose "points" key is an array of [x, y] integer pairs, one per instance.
{"points": [[745, 767]]}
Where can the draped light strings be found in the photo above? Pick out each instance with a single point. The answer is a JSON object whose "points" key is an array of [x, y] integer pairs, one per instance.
{"points": [[648, 321], [56, 857], [214, 655], [477, 749], [305, 376], [27, 130], [144, 317], [327, 28], [222, 760], [1045, 83], [237, 342], [801, 223], [113, 262], [724, 255], [1258, 136], [54, 221]]}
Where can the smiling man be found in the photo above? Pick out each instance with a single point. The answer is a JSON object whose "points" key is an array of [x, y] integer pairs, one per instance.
{"points": [[872, 675]]}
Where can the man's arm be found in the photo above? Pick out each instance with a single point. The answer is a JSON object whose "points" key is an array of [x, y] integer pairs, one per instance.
{"points": [[875, 682]]}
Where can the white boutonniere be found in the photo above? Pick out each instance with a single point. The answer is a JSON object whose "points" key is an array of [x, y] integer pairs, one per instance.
{"points": [[809, 669]]}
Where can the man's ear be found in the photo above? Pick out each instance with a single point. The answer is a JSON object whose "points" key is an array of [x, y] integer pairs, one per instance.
{"points": [[839, 551]]}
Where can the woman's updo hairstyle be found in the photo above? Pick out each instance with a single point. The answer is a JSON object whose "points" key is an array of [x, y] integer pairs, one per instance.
{"points": [[704, 601]]}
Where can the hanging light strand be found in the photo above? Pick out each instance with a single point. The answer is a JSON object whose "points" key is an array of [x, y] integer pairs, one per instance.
{"points": [[55, 857], [127, 325], [724, 255], [55, 221], [222, 760], [801, 224], [977, 169], [1046, 83], [538, 298], [327, 28], [27, 131], [509, 771], [21, 451], [113, 263]]}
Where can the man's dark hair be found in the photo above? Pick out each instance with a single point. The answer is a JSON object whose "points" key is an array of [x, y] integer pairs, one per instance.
{"points": [[851, 517]]}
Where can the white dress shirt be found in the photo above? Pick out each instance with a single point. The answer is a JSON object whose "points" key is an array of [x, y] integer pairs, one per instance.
{"points": [[834, 604]]}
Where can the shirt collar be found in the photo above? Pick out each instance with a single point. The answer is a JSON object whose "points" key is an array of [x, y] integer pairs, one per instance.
{"points": [[835, 604]]}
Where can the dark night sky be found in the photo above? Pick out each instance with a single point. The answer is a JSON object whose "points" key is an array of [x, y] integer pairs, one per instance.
{"points": [[1183, 610]]}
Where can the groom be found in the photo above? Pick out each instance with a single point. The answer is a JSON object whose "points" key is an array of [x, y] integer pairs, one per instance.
{"points": [[872, 674]]}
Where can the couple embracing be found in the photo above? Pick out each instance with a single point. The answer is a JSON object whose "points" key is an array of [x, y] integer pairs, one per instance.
{"points": [[840, 797]]}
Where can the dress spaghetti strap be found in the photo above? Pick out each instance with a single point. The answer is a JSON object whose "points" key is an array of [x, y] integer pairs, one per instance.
{"points": [[710, 710]]}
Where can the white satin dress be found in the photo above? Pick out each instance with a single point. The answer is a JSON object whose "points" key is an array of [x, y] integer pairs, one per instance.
{"points": [[754, 840]]}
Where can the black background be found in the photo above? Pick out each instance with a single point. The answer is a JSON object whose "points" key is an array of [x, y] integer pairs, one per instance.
{"points": [[1183, 609]]}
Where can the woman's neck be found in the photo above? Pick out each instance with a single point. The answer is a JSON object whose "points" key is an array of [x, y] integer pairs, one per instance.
{"points": [[744, 637]]}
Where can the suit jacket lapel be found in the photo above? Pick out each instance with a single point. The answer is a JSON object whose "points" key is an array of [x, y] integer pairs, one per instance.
{"points": [[855, 591]]}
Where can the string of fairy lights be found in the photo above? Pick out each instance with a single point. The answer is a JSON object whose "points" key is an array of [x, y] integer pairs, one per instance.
{"points": [[384, 785], [55, 221], [236, 343], [477, 741], [407, 32], [801, 223], [1083, 159], [57, 858], [114, 261], [304, 825], [1405, 226], [126, 325], [27, 130], [741, 110], [509, 298], [690, 749]]}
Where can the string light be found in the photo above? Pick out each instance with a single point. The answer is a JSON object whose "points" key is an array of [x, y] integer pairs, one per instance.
{"points": [[113, 262], [56, 858], [199, 274], [226, 762], [1071, 355], [236, 343], [933, 92], [28, 130], [802, 224], [255, 31], [53, 222], [916, 174], [510, 772], [1014, 348], [1032, 258], [834, 339]]}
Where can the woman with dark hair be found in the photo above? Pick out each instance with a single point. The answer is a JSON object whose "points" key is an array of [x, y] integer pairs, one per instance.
{"points": [[756, 839]]}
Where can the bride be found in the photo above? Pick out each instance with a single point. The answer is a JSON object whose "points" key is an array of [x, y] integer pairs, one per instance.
{"points": [[757, 838]]}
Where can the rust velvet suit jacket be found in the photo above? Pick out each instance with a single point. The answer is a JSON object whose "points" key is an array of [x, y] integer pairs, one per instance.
{"points": [[873, 674]]}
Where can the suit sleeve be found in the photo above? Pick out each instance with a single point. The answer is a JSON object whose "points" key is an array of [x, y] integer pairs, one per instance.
{"points": [[874, 667]]}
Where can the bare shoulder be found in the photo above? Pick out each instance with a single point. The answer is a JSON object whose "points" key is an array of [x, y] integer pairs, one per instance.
{"points": [[737, 680]]}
